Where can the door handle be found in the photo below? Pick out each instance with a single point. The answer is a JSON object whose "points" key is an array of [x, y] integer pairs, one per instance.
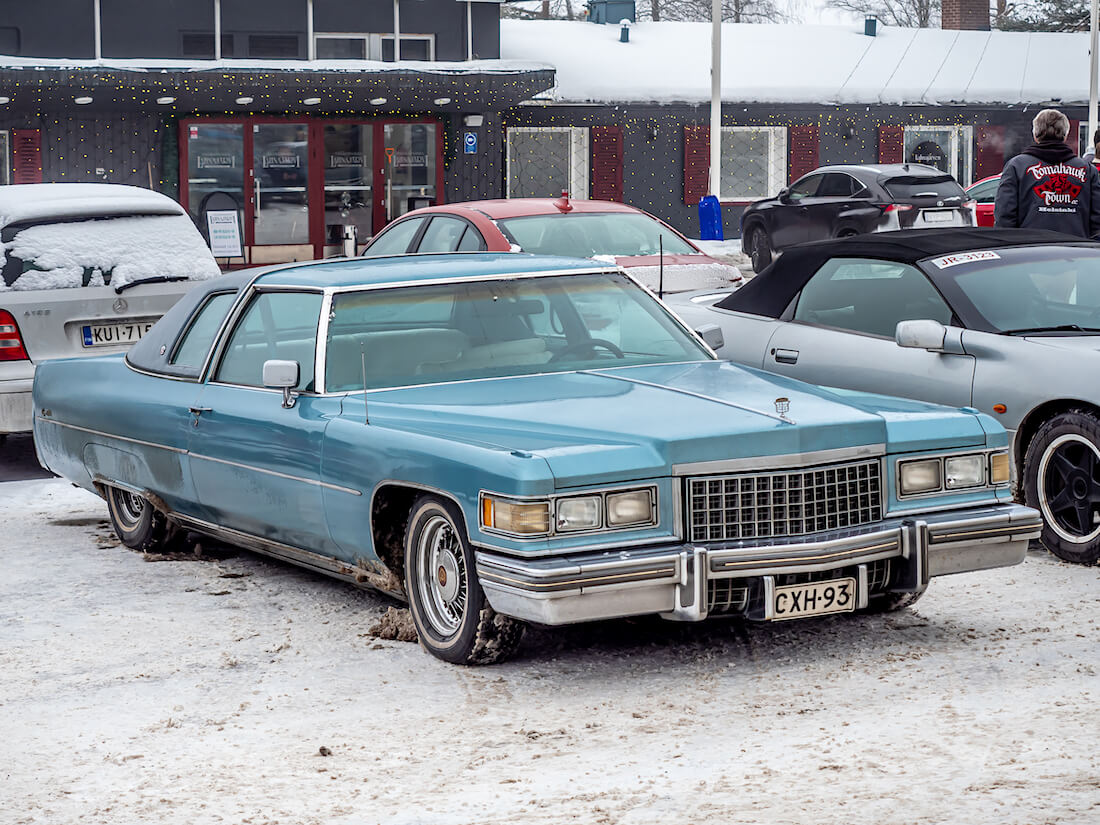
{"points": [[785, 356], [197, 411]]}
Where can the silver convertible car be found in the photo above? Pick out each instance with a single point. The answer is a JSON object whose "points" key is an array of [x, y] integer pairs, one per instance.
{"points": [[1007, 321]]}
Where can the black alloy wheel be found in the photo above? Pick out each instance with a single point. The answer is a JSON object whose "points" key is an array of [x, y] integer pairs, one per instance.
{"points": [[761, 248], [136, 522], [1062, 480], [453, 619]]}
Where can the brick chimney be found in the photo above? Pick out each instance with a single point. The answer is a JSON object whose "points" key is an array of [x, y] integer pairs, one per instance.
{"points": [[968, 15]]}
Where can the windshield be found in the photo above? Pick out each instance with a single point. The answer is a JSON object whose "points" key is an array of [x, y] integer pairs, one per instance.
{"points": [[104, 252], [454, 332], [921, 187], [1027, 289], [587, 234]]}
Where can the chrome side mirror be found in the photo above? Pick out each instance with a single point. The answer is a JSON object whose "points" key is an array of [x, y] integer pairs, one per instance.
{"points": [[712, 336], [921, 334], [282, 375]]}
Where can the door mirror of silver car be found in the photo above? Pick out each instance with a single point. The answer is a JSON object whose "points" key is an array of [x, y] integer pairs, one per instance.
{"points": [[712, 336], [282, 375], [921, 334]]}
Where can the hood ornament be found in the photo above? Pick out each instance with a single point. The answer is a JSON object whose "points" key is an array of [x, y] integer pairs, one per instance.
{"points": [[782, 407]]}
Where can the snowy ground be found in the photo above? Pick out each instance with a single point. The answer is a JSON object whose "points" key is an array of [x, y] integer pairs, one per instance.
{"points": [[203, 691]]}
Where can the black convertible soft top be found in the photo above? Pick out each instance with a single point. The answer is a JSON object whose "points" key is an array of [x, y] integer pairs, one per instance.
{"points": [[771, 291]]}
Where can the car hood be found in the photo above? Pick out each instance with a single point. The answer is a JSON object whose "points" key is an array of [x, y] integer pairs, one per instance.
{"points": [[1070, 342], [621, 424]]}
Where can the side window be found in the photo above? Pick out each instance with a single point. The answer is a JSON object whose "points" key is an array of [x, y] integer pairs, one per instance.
{"points": [[805, 188], [276, 325], [472, 241], [984, 192], [835, 185], [869, 296], [395, 240], [442, 235], [193, 345]]}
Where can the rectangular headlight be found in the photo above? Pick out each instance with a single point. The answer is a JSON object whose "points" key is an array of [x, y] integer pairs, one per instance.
{"points": [[632, 507], [964, 471], [577, 513], [522, 518], [999, 470], [920, 476]]}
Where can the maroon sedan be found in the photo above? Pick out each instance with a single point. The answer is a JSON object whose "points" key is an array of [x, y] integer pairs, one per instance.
{"points": [[608, 231]]}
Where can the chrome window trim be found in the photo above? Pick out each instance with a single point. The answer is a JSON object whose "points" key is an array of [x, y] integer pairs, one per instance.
{"points": [[986, 452], [780, 462], [552, 500], [216, 354], [166, 376]]}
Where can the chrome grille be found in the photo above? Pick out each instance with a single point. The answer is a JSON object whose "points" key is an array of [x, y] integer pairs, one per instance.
{"points": [[784, 503]]}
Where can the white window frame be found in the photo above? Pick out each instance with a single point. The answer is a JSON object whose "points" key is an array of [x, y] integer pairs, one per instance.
{"points": [[407, 38], [958, 138], [363, 36], [777, 162], [5, 157], [578, 148]]}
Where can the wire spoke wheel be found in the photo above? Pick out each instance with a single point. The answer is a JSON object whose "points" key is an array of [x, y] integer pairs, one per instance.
{"points": [[441, 576], [136, 522]]}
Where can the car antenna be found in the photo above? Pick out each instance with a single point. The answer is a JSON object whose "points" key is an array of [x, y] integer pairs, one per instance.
{"points": [[661, 266], [363, 361]]}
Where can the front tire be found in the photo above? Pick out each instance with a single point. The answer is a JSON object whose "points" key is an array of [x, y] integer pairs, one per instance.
{"points": [[1062, 480], [761, 249], [452, 616], [892, 602], [136, 522]]}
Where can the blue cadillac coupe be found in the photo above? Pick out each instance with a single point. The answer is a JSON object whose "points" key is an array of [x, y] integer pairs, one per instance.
{"points": [[502, 439]]}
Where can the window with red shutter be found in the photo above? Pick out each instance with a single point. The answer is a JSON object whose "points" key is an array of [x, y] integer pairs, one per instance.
{"points": [[607, 163], [26, 156], [803, 142], [696, 162], [891, 144], [989, 151]]}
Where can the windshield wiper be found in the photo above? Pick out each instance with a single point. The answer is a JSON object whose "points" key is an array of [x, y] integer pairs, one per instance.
{"points": [[156, 279], [1059, 328]]}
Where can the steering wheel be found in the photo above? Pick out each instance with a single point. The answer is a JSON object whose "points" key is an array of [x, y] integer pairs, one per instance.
{"points": [[588, 344]]}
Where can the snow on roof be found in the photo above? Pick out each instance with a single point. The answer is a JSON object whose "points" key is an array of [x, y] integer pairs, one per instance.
{"points": [[40, 201], [790, 63]]}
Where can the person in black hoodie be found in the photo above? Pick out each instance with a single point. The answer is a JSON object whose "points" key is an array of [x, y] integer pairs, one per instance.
{"points": [[1047, 186]]}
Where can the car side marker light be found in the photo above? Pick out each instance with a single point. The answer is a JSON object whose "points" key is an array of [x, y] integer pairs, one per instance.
{"points": [[1000, 408]]}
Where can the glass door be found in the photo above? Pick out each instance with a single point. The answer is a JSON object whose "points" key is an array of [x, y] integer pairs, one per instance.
{"points": [[349, 160], [280, 181], [408, 169], [215, 172]]}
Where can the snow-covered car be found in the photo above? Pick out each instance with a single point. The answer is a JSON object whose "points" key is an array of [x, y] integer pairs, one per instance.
{"points": [[503, 438], [1003, 320], [604, 230], [87, 269]]}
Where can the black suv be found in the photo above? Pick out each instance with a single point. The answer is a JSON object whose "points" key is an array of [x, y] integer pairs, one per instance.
{"points": [[837, 201]]}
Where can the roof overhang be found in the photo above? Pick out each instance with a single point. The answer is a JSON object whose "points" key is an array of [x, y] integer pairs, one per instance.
{"points": [[275, 87]]}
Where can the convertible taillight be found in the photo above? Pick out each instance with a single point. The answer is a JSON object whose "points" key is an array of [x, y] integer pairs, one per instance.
{"points": [[11, 343]]}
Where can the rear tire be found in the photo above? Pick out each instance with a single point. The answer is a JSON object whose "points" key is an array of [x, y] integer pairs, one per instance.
{"points": [[136, 522], [453, 618], [761, 249], [1061, 479]]}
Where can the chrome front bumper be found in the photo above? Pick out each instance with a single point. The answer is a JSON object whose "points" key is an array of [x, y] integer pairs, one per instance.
{"points": [[672, 580]]}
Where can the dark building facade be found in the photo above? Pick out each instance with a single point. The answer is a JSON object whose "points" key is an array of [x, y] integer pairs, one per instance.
{"points": [[306, 117]]}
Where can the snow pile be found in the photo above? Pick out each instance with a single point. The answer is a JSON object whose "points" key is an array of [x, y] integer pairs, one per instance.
{"points": [[670, 62], [112, 251]]}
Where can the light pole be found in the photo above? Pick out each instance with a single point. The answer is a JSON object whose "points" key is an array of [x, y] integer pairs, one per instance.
{"points": [[716, 96], [1092, 73]]}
